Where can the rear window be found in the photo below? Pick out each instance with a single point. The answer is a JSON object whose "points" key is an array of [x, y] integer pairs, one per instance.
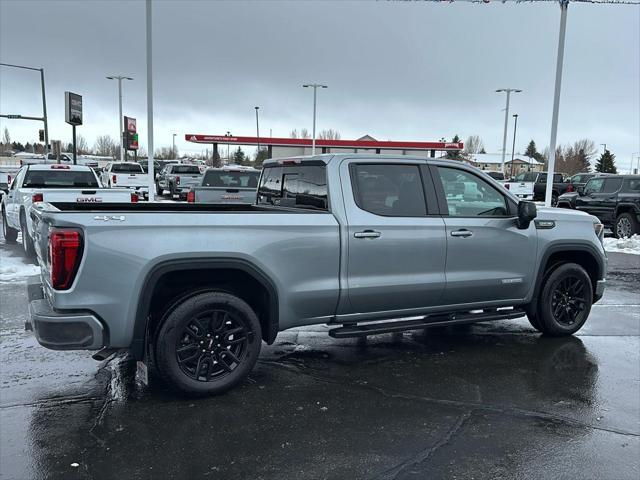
{"points": [[190, 169], [527, 177], [126, 168], [631, 185], [230, 179], [60, 179], [299, 186]]}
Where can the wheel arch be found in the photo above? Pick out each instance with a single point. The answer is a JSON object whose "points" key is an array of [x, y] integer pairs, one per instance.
{"points": [[625, 208], [146, 318]]}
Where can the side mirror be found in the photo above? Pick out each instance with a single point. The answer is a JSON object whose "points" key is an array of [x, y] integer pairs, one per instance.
{"points": [[580, 190], [527, 211]]}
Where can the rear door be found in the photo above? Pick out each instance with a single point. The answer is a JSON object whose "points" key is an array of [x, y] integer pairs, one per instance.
{"points": [[488, 257], [396, 239]]}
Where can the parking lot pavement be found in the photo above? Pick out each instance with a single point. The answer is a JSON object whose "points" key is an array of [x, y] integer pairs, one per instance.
{"points": [[493, 400]]}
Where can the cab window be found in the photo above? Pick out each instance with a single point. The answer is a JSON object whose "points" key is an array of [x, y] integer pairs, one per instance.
{"points": [[611, 185], [468, 195], [593, 186]]}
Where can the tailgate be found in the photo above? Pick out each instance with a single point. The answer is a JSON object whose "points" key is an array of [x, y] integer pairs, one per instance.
{"points": [[520, 189], [98, 195], [225, 195], [132, 180]]}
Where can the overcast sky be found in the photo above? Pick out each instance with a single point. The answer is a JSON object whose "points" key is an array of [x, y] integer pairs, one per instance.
{"points": [[395, 70]]}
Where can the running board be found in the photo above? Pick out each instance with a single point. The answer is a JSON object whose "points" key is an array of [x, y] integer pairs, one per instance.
{"points": [[437, 320]]}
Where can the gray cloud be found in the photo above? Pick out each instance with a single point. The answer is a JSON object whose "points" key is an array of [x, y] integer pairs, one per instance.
{"points": [[413, 71]]}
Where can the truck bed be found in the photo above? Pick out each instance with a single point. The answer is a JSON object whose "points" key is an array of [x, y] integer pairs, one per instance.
{"points": [[151, 207]]}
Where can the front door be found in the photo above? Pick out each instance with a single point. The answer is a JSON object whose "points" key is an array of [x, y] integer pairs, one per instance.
{"points": [[396, 243], [488, 257]]}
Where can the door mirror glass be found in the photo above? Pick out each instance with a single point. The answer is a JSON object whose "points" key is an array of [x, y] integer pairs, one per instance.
{"points": [[527, 211], [580, 190]]}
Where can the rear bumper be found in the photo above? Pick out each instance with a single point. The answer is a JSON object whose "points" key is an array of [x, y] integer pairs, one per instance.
{"points": [[523, 196], [61, 330]]}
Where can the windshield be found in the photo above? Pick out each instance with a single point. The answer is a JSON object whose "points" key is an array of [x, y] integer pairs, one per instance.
{"points": [[219, 178], [192, 169], [60, 179], [126, 168]]}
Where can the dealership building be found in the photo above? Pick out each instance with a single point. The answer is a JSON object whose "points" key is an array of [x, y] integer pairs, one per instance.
{"points": [[293, 147]]}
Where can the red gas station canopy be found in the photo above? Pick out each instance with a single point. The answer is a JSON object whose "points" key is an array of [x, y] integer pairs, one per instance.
{"points": [[306, 142]]}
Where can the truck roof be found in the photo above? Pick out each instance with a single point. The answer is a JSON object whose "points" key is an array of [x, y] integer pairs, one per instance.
{"points": [[329, 157], [57, 166]]}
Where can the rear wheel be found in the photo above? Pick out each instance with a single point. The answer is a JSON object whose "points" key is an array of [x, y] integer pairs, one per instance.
{"points": [[27, 242], [565, 301], [10, 234], [554, 199], [626, 226], [208, 343]]}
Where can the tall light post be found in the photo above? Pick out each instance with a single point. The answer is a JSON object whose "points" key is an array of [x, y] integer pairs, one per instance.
{"points": [[506, 121], [173, 146], [638, 167], [315, 87], [605, 147], [257, 130], [149, 38], [228, 135], [120, 118], [513, 147], [44, 106]]}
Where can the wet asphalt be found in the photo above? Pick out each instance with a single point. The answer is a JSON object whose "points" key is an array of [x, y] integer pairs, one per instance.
{"points": [[494, 400]]}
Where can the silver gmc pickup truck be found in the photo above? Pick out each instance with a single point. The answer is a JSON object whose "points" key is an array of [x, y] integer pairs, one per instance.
{"points": [[368, 244]]}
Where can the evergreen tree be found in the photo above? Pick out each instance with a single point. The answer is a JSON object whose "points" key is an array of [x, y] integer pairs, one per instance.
{"points": [[482, 150], [239, 157], [532, 152], [262, 155], [454, 154], [606, 163], [582, 161]]}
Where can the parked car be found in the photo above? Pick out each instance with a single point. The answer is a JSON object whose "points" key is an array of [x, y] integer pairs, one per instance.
{"points": [[51, 183], [226, 185], [7, 173], [158, 165], [178, 179], [533, 186], [359, 242], [567, 199], [615, 200], [126, 175]]}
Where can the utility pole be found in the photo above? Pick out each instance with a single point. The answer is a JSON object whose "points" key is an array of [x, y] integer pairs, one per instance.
{"points": [[151, 175], [506, 121], [315, 87], [173, 146], [257, 129], [513, 148], [228, 135], [120, 117]]}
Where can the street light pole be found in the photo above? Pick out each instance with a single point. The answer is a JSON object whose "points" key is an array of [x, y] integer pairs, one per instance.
{"points": [[149, 38], [315, 87], [257, 129], [228, 135], [506, 121], [173, 146], [513, 148], [605, 147], [120, 117]]}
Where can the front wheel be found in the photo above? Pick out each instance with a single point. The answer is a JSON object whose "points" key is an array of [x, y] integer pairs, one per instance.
{"points": [[10, 234], [208, 343], [626, 226], [565, 301]]}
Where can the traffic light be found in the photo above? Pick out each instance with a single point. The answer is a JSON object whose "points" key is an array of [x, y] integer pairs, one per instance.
{"points": [[41, 135]]}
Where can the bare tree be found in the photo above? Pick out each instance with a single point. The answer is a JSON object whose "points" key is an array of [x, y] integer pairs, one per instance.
{"points": [[304, 133], [105, 145], [473, 144], [82, 146], [6, 138], [294, 133], [329, 134]]}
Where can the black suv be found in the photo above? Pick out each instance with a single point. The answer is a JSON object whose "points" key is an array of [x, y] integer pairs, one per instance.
{"points": [[615, 200]]}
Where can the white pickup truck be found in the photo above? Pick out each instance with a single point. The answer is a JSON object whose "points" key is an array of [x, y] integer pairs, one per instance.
{"points": [[51, 183], [127, 175]]}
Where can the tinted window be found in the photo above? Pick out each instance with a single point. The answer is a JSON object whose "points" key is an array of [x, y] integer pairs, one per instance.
{"points": [[496, 175], [527, 177], [390, 190], [612, 185], [303, 186], [631, 185], [468, 195], [594, 185], [217, 178], [126, 168], [60, 179], [581, 178], [188, 169]]}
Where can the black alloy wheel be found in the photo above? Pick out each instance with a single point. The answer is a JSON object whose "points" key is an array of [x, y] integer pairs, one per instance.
{"points": [[568, 300]]}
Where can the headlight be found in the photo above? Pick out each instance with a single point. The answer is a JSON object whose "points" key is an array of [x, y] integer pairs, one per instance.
{"points": [[599, 229]]}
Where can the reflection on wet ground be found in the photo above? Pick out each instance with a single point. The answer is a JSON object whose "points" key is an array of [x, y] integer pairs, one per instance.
{"points": [[484, 401]]}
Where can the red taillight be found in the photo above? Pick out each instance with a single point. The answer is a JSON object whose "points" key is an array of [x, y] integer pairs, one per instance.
{"points": [[134, 198], [177, 180], [65, 252], [506, 185], [570, 188], [114, 179], [37, 197], [191, 196]]}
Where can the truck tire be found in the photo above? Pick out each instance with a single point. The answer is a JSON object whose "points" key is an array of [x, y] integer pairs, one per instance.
{"points": [[159, 191], [27, 241], [10, 234], [207, 343], [565, 301], [554, 199], [626, 226]]}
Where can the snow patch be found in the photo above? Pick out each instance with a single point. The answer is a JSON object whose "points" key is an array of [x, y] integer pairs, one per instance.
{"points": [[16, 269], [623, 245]]}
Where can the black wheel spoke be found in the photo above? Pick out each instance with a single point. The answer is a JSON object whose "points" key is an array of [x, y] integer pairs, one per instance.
{"points": [[224, 364], [190, 357], [231, 355]]}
